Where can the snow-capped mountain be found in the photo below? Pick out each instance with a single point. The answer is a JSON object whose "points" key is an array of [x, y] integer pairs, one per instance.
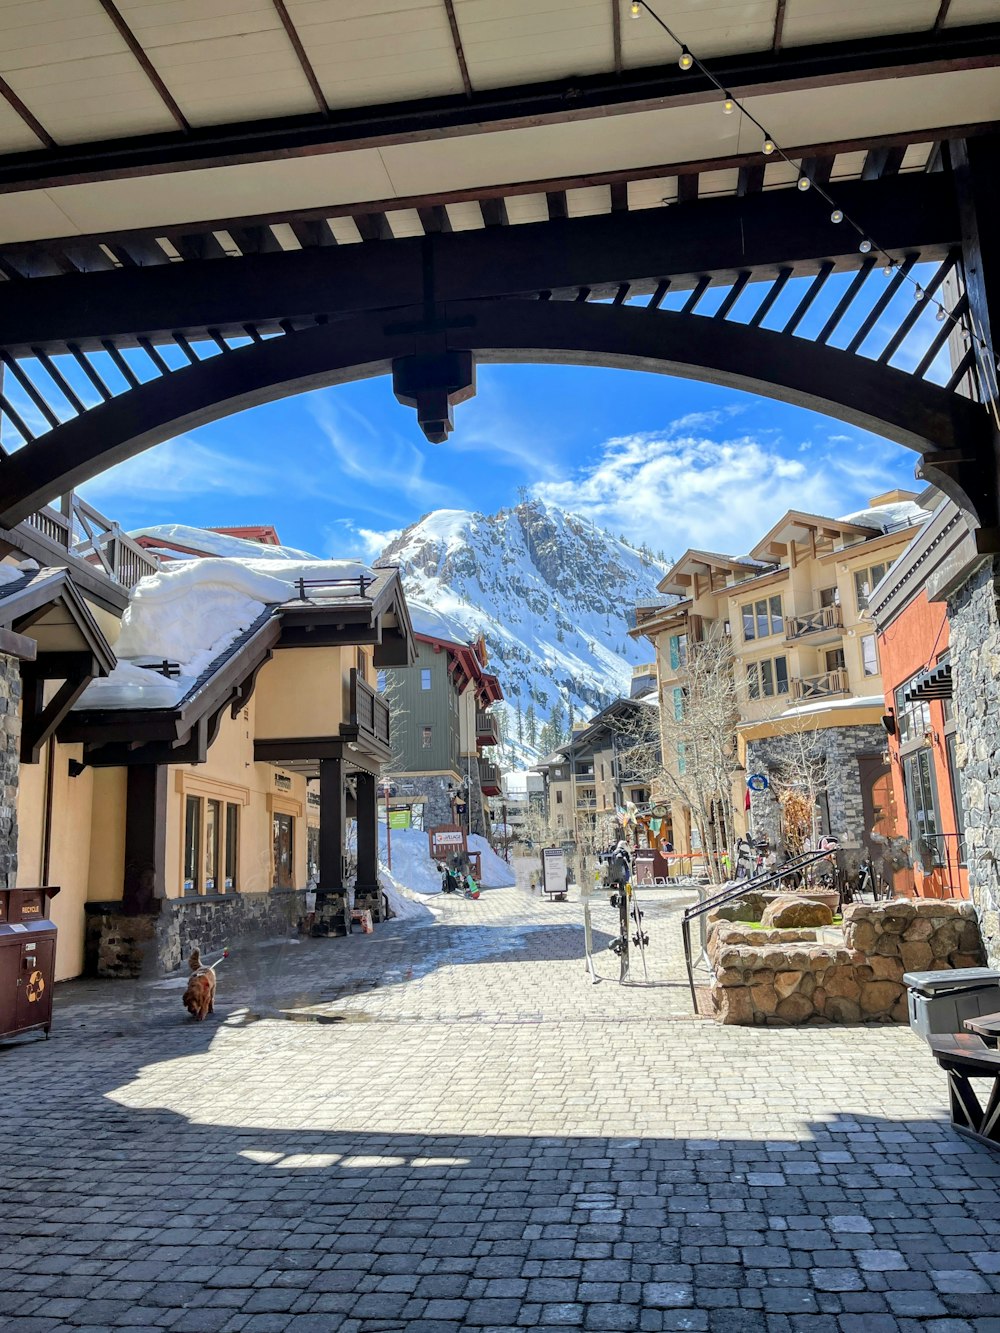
{"points": [[550, 592]]}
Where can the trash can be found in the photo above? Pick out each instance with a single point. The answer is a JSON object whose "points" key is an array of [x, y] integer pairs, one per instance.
{"points": [[27, 960], [941, 1001]]}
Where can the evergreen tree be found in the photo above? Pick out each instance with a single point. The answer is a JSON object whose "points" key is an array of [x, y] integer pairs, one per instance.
{"points": [[520, 724], [531, 724], [571, 718], [556, 723]]}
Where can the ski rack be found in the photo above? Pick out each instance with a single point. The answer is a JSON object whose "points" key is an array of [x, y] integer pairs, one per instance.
{"points": [[737, 890]]}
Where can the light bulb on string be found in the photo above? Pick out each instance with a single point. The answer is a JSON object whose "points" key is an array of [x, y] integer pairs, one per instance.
{"points": [[768, 146], [803, 183], [890, 268], [686, 59], [919, 293], [635, 9], [837, 215], [728, 106], [865, 246], [941, 315]]}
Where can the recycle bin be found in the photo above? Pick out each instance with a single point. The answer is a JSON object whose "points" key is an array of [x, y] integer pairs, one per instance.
{"points": [[27, 960], [941, 1001]]}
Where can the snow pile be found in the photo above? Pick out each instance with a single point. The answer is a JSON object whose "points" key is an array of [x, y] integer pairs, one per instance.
{"points": [[412, 866], [896, 514], [402, 902], [10, 574], [426, 620], [217, 543], [497, 874], [191, 611]]}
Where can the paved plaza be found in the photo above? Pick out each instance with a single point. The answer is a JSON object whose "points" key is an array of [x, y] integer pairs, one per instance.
{"points": [[447, 1125]]}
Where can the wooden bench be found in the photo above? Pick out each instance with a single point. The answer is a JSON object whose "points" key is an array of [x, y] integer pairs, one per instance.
{"points": [[964, 1057]]}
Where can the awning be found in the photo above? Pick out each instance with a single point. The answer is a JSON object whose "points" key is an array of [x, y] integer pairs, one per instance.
{"points": [[934, 683]]}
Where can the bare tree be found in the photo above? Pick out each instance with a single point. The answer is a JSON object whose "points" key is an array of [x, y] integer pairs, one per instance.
{"points": [[698, 717], [796, 758]]}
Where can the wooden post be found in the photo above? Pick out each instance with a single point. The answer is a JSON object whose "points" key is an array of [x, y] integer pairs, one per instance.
{"points": [[367, 883], [332, 826], [144, 881]]}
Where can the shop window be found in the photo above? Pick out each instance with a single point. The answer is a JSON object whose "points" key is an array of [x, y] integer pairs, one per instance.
{"points": [[425, 678], [192, 843], [213, 822], [956, 797], [869, 655], [232, 846], [284, 850], [913, 717], [426, 737], [864, 581], [312, 852], [922, 807]]}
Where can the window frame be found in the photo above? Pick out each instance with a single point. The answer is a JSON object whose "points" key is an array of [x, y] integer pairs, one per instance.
{"points": [[760, 619], [425, 678], [873, 640]]}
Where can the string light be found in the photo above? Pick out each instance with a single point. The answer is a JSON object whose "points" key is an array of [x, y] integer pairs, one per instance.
{"points": [[941, 315], [635, 9], [890, 268], [804, 182]]}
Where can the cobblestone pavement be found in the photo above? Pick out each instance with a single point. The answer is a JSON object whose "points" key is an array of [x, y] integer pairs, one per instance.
{"points": [[492, 1142]]}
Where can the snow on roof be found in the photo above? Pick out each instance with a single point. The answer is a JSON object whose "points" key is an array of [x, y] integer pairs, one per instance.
{"points": [[192, 612], [434, 625], [859, 701], [217, 543], [884, 518]]}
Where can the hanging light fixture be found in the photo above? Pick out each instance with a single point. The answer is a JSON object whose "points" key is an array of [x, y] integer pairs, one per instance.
{"points": [[865, 246], [768, 146], [837, 215], [803, 183], [685, 59], [635, 9], [728, 106]]}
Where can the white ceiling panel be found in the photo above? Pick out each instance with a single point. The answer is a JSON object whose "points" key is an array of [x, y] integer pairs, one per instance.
{"points": [[517, 41], [404, 222], [225, 61], [15, 137], [385, 51], [962, 12], [718, 182], [809, 21], [652, 193], [466, 216], [526, 208], [708, 27], [345, 231], [586, 202]]}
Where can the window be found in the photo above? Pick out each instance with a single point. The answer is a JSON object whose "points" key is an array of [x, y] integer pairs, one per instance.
{"points": [[829, 597], [922, 807], [768, 678], [864, 581], [834, 658], [559, 798], [380, 682], [312, 852], [213, 827], [956, 799], [425, 678], [362, 664], [913, 718], [602, 772], [869, 655], [284, 850], [192, 843], [232, 846], [678, 704], [426, 737], [678, 650], [763, 618]]}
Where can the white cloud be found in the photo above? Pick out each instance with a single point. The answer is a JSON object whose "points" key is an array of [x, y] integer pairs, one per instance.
{"points": [[679, 491], [182, 467]]}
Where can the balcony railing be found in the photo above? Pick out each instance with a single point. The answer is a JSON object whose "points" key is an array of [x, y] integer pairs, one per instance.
{"points": [[487, 729], [821, 686], [84, 532], [489, 778], [586, 802], [369, 713], [813, 622]]}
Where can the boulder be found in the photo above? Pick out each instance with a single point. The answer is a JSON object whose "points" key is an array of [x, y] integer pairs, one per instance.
{"points": [[787, 982], [840, 1010], [920, 928], [765, 998], [840, 983], [794, 1009], [892, 969], [878, 997], [859, 934], [916, 955], [789, 911], [732, 1004]]}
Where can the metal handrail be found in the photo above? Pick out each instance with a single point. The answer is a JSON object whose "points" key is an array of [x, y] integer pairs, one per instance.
{"points": [[737, 890]]}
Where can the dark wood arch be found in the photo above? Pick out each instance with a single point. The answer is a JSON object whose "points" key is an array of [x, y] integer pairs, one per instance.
{"points": [[953, 433]]}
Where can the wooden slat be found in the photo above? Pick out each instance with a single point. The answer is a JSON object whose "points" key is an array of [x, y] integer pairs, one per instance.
{"points": [[947, 329], [818, 169], [16, 419], [965, 367], [779, 25], [255, 240], [846, 301], [882, 162], [942, 15], [621, 295], [435, 220], [619, 196], [700, 288], [918, 308], [198, 245], [733, 295], [751, 179], [58, 378], [29, 118], [656, 300], [122, 364], [28, 387], [154, 355], [313, 234], [777, 287], [90, 371], [556, 204], [872, 318], [687, 188], [494, 212], [616, 34], [812, 291], [373, 227]]}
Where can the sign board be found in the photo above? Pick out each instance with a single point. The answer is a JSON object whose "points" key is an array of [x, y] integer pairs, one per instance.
{"points": [[400, 818], [659, 811], [553, 870], [445, 840], [757, 782]]}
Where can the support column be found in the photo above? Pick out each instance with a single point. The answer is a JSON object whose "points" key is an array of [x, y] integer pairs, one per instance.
{"points": [[144, 884], [367, 891], [333, 910], [10, 767]]}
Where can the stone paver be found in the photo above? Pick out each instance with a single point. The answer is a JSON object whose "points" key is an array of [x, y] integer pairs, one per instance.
{"points": [[492, 1142]]}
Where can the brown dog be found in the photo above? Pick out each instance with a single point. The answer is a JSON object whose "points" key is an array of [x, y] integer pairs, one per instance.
{"points": [[199, 998]]}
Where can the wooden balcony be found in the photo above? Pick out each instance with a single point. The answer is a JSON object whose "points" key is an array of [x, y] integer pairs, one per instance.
{"points": [[77, 532], [489, 778], [823, 686], [487, 728], [369, 712], [827, 618]]}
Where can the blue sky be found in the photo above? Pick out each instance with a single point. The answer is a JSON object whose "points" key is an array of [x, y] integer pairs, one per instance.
{"points": [[666, 461]]}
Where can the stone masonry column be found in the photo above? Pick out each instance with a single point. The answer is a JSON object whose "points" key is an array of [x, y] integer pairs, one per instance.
{"points": [[975, 656], [10, 765]]}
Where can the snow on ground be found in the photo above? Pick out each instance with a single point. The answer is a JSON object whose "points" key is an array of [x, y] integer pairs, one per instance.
{"points": [[497, 874], [411, 862]]}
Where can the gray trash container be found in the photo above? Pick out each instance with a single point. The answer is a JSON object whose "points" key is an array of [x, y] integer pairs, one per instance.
{"points": [[941, 1001]]}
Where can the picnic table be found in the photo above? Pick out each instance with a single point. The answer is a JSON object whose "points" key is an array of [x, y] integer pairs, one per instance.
{"points": [[965, 1056], [986, 1026]]}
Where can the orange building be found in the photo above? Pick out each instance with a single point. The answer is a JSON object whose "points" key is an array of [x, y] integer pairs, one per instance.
{"points": [[913, 647]]}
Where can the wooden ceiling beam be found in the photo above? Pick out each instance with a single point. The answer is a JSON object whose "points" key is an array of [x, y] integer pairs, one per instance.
{"points": [[435, 220], [456, 38], [594, 97], [29, 118], [494, 212], [300, 54], [779, 25], [145, 64], [616, 34]]}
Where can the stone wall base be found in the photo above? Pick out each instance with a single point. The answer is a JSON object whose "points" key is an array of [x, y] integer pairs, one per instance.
{"points": [[118, 945], [788, 978]]}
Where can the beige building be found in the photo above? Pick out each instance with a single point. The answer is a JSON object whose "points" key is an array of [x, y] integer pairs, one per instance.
{"points": [[187, 798], [805, 657]]}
